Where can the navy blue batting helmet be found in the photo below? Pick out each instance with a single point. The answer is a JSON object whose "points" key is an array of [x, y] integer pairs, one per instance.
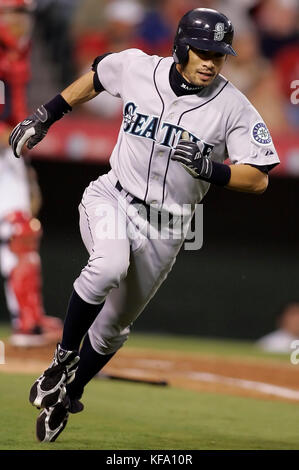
{"points": [[204, 29]]}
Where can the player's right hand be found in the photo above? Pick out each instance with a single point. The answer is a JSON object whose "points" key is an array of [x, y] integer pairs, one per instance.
{"points": [[30, 131]]}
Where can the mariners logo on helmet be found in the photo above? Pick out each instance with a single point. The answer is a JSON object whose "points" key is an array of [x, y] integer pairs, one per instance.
{"points": [[219, 32]]}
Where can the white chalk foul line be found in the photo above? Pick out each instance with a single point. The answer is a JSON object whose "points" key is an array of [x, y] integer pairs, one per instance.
{"points": [[261, 387]]}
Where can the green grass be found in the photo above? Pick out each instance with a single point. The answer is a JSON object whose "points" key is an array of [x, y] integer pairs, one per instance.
{"points": [[4, 330], [134, 416], [197, 345]]}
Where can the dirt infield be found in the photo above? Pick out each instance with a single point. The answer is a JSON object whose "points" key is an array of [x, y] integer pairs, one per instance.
{"points": [[255, 378]]}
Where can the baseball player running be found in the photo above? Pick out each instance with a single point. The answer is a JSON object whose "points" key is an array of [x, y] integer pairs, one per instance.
{"points": [[182, 119]]}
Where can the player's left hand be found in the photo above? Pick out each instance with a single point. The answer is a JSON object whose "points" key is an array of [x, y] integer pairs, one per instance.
{"points": [[188, 154]]}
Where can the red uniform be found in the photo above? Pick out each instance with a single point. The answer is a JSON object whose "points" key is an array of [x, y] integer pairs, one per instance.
{"points": [[20, 260], [15, 73]]}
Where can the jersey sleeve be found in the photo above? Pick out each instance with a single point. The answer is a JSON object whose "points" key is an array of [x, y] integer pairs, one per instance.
{"points": [[96, 82], [248, 140], [111, 69]]}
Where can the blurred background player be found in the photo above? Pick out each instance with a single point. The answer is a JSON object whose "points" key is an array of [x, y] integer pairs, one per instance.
{"points": [[280, 340], [20, 197]]}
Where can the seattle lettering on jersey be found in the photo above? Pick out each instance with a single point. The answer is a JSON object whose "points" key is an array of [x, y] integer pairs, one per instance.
{"points": [[143, 125]]}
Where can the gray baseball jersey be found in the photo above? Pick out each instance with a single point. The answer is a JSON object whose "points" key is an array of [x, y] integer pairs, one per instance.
{"points": [[220, 119]]}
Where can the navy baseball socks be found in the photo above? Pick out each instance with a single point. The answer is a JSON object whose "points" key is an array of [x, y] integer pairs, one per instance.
{"points": [[80, 316], [91, 362]]}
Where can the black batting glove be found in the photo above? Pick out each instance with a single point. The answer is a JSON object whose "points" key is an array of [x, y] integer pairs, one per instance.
{"points": [[188, 154], [30, 131]]}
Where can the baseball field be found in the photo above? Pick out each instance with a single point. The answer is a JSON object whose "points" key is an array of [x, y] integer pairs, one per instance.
{"points": [[219, 395]]}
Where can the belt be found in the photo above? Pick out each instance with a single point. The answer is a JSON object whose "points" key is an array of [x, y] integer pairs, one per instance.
{"points": [[135, 200]]}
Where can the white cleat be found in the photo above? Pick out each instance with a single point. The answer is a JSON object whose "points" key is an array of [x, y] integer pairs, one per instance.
{"points": [[50, 388]]}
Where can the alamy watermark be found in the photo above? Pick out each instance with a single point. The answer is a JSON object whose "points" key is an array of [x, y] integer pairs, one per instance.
{"points": [[295, 94], [140, 221], [2, 92], [194, 235], [294, 358], [2, 353]]}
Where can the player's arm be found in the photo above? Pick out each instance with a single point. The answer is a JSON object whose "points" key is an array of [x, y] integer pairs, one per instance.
{"points": [[34, 128], [80, 91], [242, 177], [246, 178]]}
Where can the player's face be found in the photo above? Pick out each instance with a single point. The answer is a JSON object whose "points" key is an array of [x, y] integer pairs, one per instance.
{"points": [[202, 67]]}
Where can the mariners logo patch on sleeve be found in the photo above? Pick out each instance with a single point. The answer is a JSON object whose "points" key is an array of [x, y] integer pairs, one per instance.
{"points": [[261, 134]]}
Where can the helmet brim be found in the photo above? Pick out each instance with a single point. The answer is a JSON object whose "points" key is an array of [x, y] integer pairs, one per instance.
{"points": [[209, 45]]}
